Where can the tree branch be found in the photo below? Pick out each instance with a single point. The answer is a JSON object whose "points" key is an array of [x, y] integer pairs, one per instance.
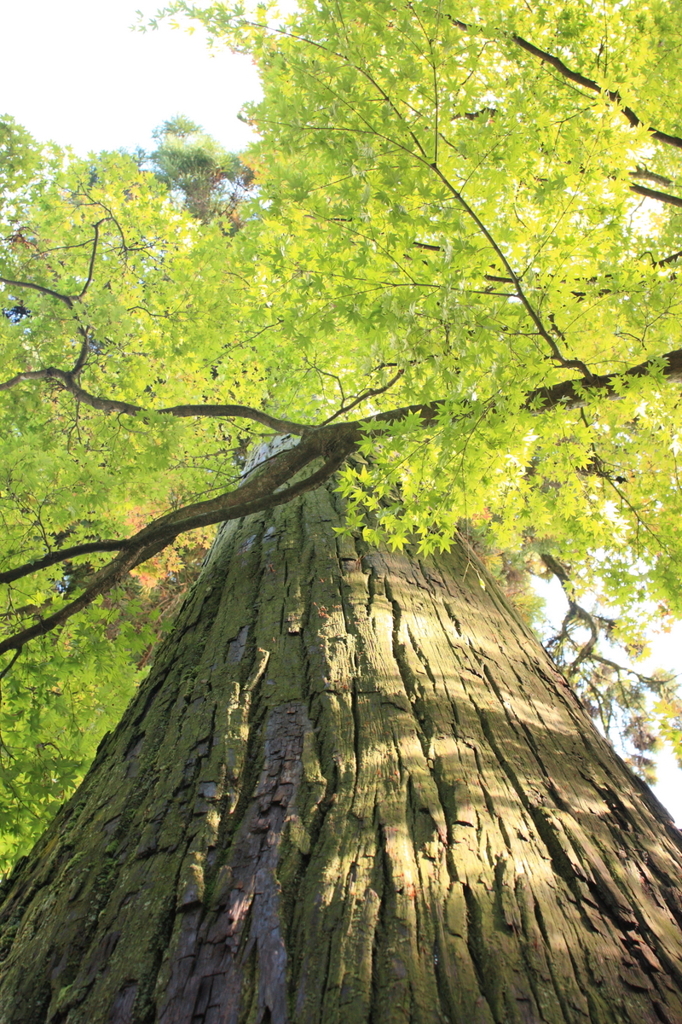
{"points": [[113, 405], [572, 394], [370, 393], [577, 364], [647, 175], [652, 193], [93, 254], [68, 300], [84, 352], [63, 555], [260, 492], [267, 487], [568, 394], [672, 258], [649, 681], [588, 83], [10, 665], [243, 411]]}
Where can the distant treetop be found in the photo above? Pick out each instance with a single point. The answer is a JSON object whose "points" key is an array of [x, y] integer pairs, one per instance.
{"points": [[209, 181]]}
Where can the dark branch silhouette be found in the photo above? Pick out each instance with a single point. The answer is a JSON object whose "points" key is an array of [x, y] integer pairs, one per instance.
{"points": [[266, 486], [62, 555], [68, 300], [112, 405], [568, 364], [652, 193], [588, 83], [261, 491]]}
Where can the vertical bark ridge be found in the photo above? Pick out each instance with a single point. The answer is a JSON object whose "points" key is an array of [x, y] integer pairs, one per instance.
{"points": [[353, 789]]}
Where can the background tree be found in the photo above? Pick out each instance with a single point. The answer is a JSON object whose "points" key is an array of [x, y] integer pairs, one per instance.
{"points": [[211, 181], [447, 293]]}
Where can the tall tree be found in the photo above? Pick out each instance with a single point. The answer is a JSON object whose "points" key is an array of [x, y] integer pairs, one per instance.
{"points": [[447, 294]]}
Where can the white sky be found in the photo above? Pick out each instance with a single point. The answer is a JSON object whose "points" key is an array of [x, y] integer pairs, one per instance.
{"points": [[73, 72]]}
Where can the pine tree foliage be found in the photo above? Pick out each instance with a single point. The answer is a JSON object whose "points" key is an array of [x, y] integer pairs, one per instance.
{"points": [[460, 263], [210, 181]]}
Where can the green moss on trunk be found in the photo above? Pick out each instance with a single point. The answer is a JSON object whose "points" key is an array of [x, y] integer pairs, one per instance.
{"points": [[353, 790]]}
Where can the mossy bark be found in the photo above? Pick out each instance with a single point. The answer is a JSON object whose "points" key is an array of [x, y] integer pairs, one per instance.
{"points": [[353, 789]]}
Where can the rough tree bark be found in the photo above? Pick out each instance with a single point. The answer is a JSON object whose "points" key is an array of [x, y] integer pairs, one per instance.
{"points": [[353, 789]]}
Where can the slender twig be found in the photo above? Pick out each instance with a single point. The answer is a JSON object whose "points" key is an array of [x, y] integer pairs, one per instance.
{"points": [[577, 364], [646, 680], [68, 300], [371, 393], [363, 71]]}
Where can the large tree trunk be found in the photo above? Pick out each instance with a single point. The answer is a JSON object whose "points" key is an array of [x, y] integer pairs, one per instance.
{"points": [[353, 789]]}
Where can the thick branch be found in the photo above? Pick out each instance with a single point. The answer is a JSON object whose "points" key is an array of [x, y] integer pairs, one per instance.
{"points": [[652, 193], [647, 175], [556, 567], [240, 411], [264, 490], [66, 299], [588, 83], [571, 394], [63, 555], [113, 405]]}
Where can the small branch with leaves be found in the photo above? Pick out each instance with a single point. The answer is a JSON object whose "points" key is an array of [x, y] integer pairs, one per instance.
{"points": [[602, 683], [68, 300]]}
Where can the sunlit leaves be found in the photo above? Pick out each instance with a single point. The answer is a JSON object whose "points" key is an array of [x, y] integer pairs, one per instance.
{"points": [[437, 207], [377, 123], [146, 315], [373, 122]]}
